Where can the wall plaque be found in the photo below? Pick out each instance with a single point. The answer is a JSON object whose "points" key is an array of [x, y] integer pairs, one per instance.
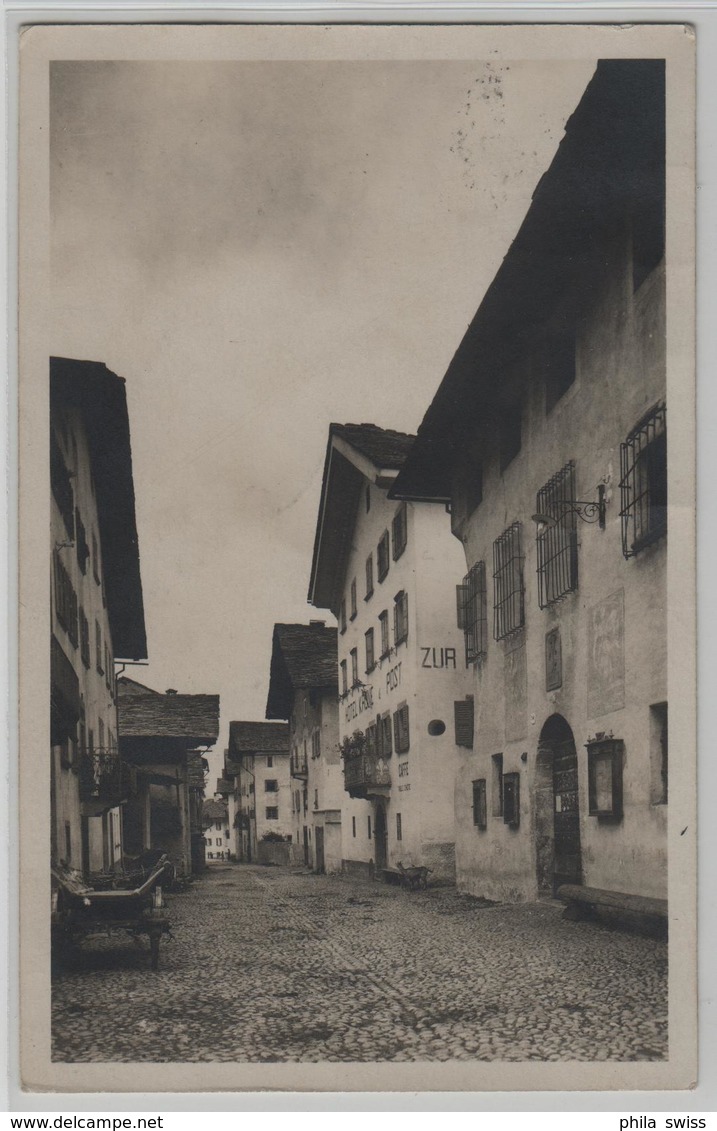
{"points": [[553, 660]]}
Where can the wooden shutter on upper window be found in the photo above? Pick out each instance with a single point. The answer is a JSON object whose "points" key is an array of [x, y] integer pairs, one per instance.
{"points": [[463, 711], [461, 605]]}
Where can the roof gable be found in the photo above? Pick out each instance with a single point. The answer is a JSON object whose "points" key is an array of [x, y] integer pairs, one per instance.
{"points": [[355, 454], [303, 656], [144, 713]]}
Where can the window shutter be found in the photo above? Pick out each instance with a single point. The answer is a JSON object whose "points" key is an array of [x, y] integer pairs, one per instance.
{"points": [[463, 710], [461, 605]]}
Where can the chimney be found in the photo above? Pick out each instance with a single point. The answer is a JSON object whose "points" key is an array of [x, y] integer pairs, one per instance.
{"points": [[318, 623], [171, 691]]}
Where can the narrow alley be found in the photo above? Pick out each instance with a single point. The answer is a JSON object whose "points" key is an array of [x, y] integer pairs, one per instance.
{"points": [[277, 964]]}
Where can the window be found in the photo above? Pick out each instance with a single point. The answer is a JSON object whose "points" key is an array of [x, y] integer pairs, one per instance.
{"points": [[497, 784], [353, 826], [99, 658], [480, 818], [353, 599], [354, 666], [95, 558], [218, 827], [84, 638], [400, 617], [316, 799], [81, 548], [370, 656], [108, 668], [385, 642], [384, 735], [557, 543], [61, 486], [510, 434], [399, 528], [559, 362], [271, 785], [65, 599], [511, 800], [400, 729], [101, 733], [316, 744], [342, 615], [272, 813], [371, 739], [471, 598], [344, 678], [369, 577], [463, 712], [369, 828], [508, 596], [658, 753], [269, 761], [210, 856], [68, 842], [382, 554], [643, 486], [399, 829]]}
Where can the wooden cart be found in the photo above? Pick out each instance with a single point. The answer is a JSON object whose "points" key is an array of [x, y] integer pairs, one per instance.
{"points": [[79, 910]]}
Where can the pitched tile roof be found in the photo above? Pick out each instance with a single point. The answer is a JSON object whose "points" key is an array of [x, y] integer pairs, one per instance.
{"points": [[385, 447], [196, 769], [255, 737], [302, 656], [214, 811], [224, 786], [142, 715]]}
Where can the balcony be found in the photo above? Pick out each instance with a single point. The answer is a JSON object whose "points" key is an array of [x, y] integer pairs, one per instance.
{"points": [[366, 775], [104, 780]]}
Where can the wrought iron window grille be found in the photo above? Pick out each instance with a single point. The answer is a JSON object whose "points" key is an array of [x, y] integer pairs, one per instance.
{"points": [[473, 613], [643, 482], [508, 586], [557, 538]]}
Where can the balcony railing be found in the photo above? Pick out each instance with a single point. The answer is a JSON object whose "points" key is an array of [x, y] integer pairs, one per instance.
{"points": [[104, 778], [365, 774]]}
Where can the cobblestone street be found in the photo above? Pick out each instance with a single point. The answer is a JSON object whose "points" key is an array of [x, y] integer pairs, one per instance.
{"points": [[272, 964]]}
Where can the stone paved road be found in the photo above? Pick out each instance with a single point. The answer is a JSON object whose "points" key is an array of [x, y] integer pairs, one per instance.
{"points": [[273, 964]]}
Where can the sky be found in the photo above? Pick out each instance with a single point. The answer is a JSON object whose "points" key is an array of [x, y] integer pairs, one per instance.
{"points": [[261, 248]]}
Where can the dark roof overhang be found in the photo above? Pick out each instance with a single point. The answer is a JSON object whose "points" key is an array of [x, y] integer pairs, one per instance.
{"points": [[609, 165], [101, 397]]}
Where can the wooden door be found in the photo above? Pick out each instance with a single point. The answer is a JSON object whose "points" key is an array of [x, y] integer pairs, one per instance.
{"points": [[319, 845], [566, 815]]}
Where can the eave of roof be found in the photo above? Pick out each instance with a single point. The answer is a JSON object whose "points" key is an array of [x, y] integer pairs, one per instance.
{"points": [[302, 656], [354, 453], [193, 719], [254, 737], [611, 159], [101, 397]]}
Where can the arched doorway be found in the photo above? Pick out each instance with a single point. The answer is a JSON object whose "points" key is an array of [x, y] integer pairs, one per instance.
{"points": [[557, 808], [380, 834]]}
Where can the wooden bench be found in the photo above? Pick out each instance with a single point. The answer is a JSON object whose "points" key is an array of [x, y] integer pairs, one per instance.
{"points": [[639, 912]]}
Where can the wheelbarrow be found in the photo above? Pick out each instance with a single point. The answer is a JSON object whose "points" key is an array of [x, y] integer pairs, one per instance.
{"points": [[79, 910]]}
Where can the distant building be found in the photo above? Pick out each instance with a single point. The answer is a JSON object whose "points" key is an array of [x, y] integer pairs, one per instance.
{"points": [[547, 439], [96, 609], [381, 568], [303, 690], [217, 831], [258, 761], [159, 734]]}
